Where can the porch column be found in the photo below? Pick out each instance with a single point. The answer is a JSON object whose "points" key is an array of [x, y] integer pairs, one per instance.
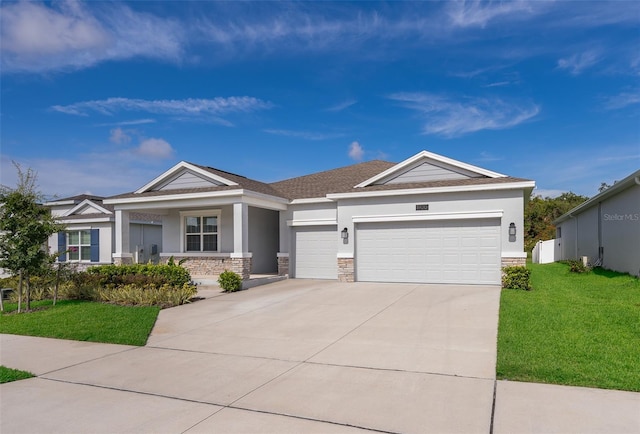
{"points": [[283, 253], [241, 257], [123, 251]]}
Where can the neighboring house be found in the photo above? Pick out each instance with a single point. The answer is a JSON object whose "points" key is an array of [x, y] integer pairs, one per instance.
{"points": [[605, 228], [89, 237], [427, 219]]}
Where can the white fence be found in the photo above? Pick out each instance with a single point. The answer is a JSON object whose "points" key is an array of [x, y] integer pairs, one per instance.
{"points": [[545, 252]]}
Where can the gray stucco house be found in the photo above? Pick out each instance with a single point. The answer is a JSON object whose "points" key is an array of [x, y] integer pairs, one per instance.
{"points": [[605, 228], [427, 219]]}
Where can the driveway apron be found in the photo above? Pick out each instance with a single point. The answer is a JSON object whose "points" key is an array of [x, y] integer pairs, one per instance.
{"points": [[298, 356]]}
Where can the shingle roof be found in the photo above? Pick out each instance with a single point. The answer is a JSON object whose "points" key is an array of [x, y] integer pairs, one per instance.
{"points": [[80, 197], [243, 181], [316, 185], [330, 181]]}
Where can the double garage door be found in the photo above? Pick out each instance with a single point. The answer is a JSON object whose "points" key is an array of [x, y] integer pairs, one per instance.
{"points": [[456, 251]]}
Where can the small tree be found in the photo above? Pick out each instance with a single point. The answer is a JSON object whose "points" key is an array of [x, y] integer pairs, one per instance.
{"points": [[25, 226]]}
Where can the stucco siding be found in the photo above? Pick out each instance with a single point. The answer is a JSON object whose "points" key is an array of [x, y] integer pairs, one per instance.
{"points": [[588, 234], [621, 231], [509, 202], [263, 240], [141, 239], [313, 211]]}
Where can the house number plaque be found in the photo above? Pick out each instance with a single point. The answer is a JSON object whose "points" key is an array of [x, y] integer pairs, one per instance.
{"points": [[422, 207]]}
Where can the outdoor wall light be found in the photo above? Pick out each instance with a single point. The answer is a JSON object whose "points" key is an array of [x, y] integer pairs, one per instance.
{"points": [[344, 234], [512, 230]]}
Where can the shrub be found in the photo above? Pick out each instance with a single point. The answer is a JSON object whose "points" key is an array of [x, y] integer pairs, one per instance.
{"points": [[229, 281], [577, 266], [158, 275], [516, 278], [149, 295]]}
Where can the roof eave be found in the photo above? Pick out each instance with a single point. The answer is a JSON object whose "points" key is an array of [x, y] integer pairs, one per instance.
{"points": [[519, 185], [623, 184]]}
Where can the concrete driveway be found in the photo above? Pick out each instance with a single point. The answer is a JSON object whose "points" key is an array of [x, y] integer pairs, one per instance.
{"points": [[294, 356]]}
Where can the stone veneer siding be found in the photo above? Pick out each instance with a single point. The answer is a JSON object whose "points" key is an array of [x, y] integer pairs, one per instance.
{"points": [[203, 266], [346, 271], [242, 266], [512, 262], [283, 265], [121, 261]]}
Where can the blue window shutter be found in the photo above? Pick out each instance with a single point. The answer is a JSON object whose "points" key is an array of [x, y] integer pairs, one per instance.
{"points": [[95, 245], [62, 246]]}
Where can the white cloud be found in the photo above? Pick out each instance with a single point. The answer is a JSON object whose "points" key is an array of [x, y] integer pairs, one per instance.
{"points": [[480, 13], [343, 105], [579, 62], [356, 152], [622, 100], [447, 117], [92, 172], [119, 136], [178, 107], [127, 123], [65, 35], [155, 148], [306, 135]]}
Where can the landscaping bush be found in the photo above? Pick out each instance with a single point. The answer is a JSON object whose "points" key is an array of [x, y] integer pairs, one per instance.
{"points": [[230, 281], [576, 266], [516, 278], [142, 274], [148, 295]]}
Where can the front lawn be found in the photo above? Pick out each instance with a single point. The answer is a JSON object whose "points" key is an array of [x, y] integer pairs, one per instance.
{"points": [[573, 329], [8, 375], [82, 321]]}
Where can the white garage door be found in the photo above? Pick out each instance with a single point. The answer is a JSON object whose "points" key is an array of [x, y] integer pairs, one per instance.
{"points": [[460, 251], [316, 250]]}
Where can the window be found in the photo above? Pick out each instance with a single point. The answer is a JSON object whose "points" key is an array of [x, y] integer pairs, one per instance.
{"points": [[201, 233], [79, 245]]}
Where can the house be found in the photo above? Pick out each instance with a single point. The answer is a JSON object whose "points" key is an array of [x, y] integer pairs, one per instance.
{"points": [[89, 235], [605, 229], [427, 219]]}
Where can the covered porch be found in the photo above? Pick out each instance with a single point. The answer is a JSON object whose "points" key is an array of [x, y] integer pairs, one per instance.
{"points": [[210, 232]]}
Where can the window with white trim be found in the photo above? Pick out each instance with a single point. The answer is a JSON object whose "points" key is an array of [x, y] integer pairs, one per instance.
{"points": [[201, 233], [79, 245]]}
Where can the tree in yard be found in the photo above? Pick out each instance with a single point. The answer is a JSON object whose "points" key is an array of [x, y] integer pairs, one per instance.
{"points": [[25, 226], [540, 213]]}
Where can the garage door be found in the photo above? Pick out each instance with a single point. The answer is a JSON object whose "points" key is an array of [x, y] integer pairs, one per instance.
{"points": [[316, 250], [460, 251]]}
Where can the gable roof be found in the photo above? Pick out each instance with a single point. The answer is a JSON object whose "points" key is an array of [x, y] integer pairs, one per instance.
{"points": [[230, 181], [95, 205], [357, 178], [72, 200], [616, 188], [425, 156]]}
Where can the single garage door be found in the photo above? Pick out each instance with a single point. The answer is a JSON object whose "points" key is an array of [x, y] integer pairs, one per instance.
{"points": [[455, 251], [316, 250]]}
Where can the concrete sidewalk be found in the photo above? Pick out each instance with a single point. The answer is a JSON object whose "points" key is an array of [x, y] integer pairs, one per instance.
{"points": [[302, 356]]}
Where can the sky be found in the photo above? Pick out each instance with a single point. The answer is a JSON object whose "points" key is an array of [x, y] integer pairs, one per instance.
{"points": [[101, 97]]}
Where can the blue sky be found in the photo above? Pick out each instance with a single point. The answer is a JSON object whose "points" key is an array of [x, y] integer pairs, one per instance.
{"points": [[101, 97]]}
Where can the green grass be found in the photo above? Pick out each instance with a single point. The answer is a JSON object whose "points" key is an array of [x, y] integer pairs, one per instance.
{"points": [[573, 329], [8, 375], [82, 321]]}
